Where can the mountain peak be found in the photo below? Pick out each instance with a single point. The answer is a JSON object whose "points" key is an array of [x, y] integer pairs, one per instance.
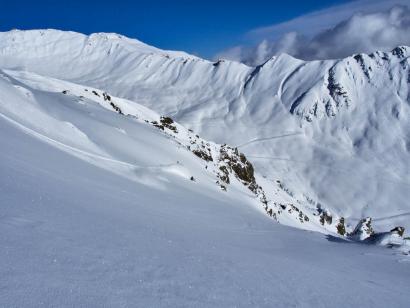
{"points": [[30, 40]]}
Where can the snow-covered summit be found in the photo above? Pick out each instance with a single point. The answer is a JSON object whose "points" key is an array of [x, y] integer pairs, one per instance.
{"points": [[34, 41]]}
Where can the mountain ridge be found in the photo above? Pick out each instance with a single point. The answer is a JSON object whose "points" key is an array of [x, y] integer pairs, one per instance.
{"points": [[310, 122]]}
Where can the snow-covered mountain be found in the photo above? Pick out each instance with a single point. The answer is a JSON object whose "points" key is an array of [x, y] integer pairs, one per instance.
{"points": [[130, 174], [65, 115], [335, 132]]}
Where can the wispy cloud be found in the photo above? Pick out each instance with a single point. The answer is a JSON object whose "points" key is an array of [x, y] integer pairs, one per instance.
{"points": [[359, 26]]}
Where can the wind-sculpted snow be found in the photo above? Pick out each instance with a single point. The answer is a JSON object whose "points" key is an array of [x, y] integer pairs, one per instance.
{"points": [[98, 209]]}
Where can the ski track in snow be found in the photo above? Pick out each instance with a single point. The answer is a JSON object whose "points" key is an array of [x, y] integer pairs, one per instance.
{"points": [[321, 165], [268, 138], [392, 216]]}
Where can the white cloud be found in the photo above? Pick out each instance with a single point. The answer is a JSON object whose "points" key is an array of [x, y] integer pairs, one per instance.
{"points": [[318, 21], [360, 26]]}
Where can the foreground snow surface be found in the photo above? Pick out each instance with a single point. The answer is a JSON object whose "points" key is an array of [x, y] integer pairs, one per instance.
{"points": [[73, 234]]}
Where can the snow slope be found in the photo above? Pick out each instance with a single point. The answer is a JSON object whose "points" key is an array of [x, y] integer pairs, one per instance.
{"points": [[87, 123], [334, 132], [97, 209]]}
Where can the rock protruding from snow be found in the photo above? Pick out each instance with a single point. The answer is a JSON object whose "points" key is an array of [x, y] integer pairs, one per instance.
{"points": [[392, 239], [363, 230], [398, 230]]}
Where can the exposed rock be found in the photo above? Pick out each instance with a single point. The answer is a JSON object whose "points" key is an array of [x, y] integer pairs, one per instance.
{"points": [[217, 63], [390, 239], [106, 97], [238, 163], [398, 230], [366, 70], [324, 217], [168, 123], [340, 227], [399, 51], [338, 94], [363, 230], [203, 154], [166, 120], [156, 124], [116, 108], [224, 174]]}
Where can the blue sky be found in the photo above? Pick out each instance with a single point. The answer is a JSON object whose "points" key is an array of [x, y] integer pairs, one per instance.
{"points": [[200, 27]]}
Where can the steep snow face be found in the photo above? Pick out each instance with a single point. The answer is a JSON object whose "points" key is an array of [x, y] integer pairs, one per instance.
{"points": [[334, 132], [98, 209]]}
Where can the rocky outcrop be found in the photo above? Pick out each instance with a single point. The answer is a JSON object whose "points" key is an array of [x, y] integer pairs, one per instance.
{"points": [[324, 216], [340, 227], [392, 239], [398, 230], [165, 122], [363, 230], [236, 162]]}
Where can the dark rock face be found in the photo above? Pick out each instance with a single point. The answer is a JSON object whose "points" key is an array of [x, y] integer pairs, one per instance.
{"points": [[203, 155], [165, 122], [232, 162], [200, 148], [398, 230], [217, 63], [168, 123], [224, 175], [335, 89], [292, 208], [238, 163], [106, 97], [157, 125], [366, 70], [324, 216], [116, 108], [398, 52], [341, 229]]}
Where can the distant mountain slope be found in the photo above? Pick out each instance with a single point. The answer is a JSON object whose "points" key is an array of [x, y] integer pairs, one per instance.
{"points": [[335, 132]]}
